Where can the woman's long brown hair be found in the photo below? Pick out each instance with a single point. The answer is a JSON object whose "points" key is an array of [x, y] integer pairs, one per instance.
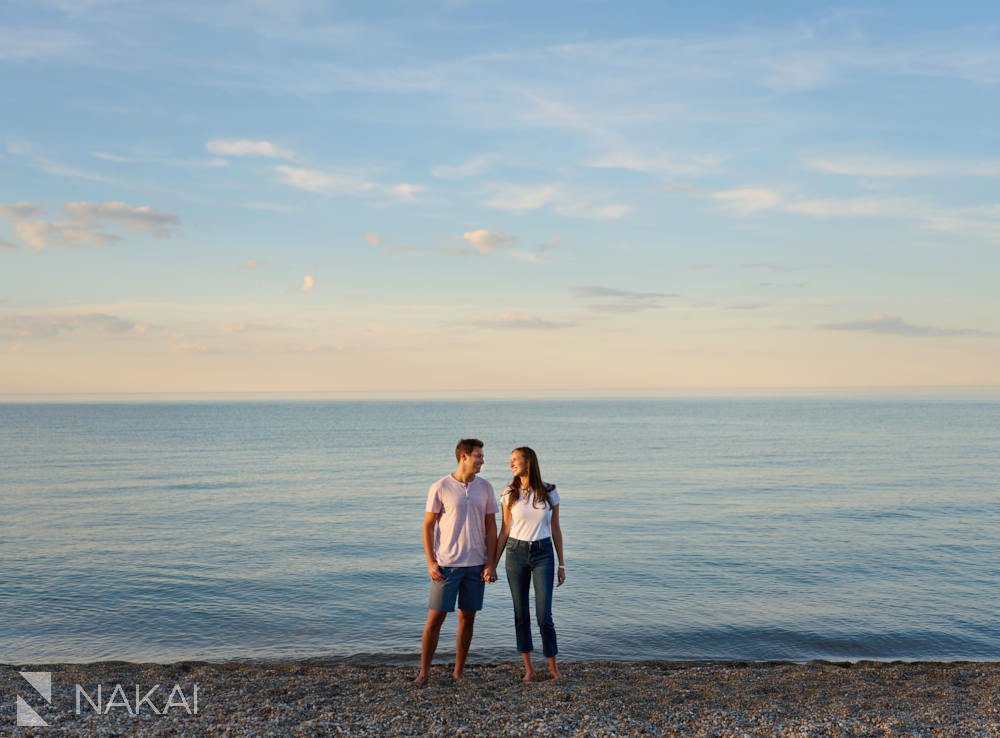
{"points": [[540, 488]]}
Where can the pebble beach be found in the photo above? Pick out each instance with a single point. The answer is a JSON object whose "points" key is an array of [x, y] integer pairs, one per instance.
{"points": [[668, 698]]}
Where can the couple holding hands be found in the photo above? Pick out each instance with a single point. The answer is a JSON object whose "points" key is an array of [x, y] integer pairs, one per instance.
{"points": [[463, 550]]}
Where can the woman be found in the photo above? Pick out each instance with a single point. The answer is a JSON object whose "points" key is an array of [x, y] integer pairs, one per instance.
{"points": [[530, 528]]}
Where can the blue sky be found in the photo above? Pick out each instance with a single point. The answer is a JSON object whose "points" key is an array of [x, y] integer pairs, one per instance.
{"points": [[588, 196]]}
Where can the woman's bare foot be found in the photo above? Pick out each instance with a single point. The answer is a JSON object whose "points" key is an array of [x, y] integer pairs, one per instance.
{"points": [[421, 680], [529, 674], [457, 675], [553, 669]]}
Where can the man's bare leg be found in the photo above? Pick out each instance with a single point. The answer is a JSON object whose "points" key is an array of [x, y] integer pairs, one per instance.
{"points": [[466, 620], [429, 644]]}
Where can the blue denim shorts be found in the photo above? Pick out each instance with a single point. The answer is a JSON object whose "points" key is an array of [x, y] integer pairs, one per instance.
{"points": [[462, 582]]}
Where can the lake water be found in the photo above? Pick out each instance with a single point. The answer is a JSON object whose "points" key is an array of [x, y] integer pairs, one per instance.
{"points": [[750, 528]]}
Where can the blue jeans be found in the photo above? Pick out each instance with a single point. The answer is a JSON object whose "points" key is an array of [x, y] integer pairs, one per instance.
{"points": [[532, 562]]}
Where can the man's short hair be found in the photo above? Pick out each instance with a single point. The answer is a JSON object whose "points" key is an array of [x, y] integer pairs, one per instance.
{"points": [[466, 446]]}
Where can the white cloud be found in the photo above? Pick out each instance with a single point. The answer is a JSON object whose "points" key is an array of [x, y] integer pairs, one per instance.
{"points": [[484, 241], [615, 300], [142, 218], [40, 234], [48, 326], [516, 198], [252, 265], [51, 166], [213, 163], [82, 221], [660, 163], [5, 244], [860, 166], [857, 207], [373, 239], [246, 147], [26, 44], [324, 183], [468, 168], [308, 282], [747, 200], [405, 191], [522, 198], [895, 325], [21, 210], [590, 211], [517, 321]]}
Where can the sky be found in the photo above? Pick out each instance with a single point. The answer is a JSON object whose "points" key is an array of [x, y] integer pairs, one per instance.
{"points": [[476, 197]]}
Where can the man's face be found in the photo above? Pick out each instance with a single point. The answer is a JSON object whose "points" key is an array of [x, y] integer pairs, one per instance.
{"points": [[475, 460]]}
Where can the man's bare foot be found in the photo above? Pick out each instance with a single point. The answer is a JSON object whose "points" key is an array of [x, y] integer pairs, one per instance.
{"points": [[421, 680], [554, 673], [528, 675], [457, 676]]}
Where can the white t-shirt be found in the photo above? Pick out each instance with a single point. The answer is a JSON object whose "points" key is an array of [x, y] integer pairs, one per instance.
{"points": [[529, 522], [460, 536]]}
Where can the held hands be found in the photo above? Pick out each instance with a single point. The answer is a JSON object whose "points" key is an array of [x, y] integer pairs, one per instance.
{"points": [[560, 576], [489, 574], [435, 571]]}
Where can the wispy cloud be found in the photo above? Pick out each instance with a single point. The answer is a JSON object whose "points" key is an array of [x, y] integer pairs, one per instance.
{"points": [[660, 162], [213, 163], [6, 245], [31, 44], [517, 198], [405, 191], [540, 252], [895, 325], [867, 166], [40, 234], [81, 221], [48, 326], [323, 182], [373, 239], [614, 300], [747, 200], [22, 210], [248, 147], [484, 241], [858, 207], [344, 184], [144, 218], [469, 168], [517, 321], [252, 265], [50, 165], [308, 282]]}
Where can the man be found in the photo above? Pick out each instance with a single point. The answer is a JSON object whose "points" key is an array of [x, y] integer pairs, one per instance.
{"points": [[460, 552]]}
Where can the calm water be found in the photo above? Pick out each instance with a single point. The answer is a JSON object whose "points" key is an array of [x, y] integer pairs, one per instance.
{"points": [[695, 528]]}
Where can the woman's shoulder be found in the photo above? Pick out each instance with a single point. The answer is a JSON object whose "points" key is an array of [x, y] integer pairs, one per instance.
{"points": [[552, 493]]}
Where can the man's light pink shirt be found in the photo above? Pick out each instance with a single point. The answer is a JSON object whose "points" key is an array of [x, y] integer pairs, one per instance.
{"points": [[460, 538]]}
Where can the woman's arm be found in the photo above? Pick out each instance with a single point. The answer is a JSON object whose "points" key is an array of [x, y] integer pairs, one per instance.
{"points": [[503, 536], [557, 539]]}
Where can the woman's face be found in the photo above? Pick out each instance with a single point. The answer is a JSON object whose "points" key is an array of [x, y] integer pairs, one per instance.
{"points": [[517, 464]]}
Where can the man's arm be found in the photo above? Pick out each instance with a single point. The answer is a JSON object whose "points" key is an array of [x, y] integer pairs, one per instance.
{"points": [[430, 520], [489, 571]]}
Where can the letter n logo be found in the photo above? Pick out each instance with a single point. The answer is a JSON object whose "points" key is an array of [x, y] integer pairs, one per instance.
{"points": [[42, 682]]}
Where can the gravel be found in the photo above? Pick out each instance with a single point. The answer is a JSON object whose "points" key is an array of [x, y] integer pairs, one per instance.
{"points": [[315, 697]]}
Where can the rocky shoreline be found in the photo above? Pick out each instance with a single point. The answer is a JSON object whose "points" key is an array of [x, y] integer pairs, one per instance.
{"points": [[316, 697]]}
